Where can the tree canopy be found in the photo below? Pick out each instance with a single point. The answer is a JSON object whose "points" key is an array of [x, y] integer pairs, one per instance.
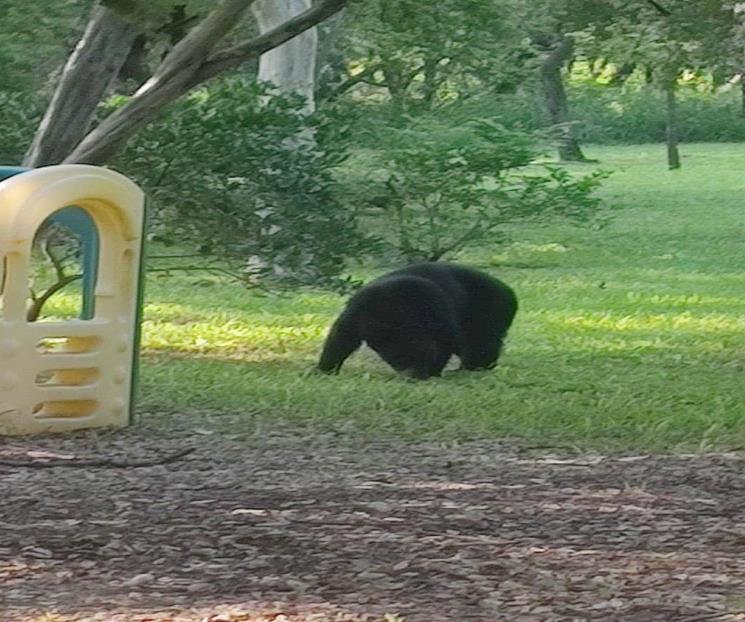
{"points": [[405, 88]]}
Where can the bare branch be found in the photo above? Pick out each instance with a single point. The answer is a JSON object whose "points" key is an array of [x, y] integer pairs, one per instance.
{"points": [[183, 69], [188, 54], [217, 271], [63, 280], [660, 9], [236, 55], [56, 262], [38, 302]]}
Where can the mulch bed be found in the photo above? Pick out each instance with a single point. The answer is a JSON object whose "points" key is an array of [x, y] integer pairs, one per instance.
{"points": [[288, 529]]}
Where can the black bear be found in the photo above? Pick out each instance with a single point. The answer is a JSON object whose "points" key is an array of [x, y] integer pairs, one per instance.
{"points": [[416, 317]]}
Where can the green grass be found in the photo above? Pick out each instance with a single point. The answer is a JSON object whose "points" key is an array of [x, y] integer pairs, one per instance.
{"points": [[631, 338]]}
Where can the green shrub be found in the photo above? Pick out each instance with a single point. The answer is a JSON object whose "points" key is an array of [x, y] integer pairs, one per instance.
{"points": [[617, 115], [248, 180], [19, 118], [443, 189], [606, 114], [634, 114]]}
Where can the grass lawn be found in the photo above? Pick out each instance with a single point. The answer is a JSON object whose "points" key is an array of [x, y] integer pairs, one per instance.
{"points": [[631, 338]]}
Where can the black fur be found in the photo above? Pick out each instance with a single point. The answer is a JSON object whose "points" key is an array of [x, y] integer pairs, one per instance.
{"points": [[415, 318]]}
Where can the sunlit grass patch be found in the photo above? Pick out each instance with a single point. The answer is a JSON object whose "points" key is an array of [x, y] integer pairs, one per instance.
{"points": [[683, 322], [64, 305], [627, 338]]}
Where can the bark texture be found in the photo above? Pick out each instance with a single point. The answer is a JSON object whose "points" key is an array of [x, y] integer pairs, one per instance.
{"points": [[560, 51], [192, 61], [89, 72], [290, 66], [671, 134]]}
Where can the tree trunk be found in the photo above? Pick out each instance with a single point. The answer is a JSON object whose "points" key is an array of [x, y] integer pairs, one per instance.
{"points": [[673, 155], [331, 69], [291, 66], [135, 65], [191, 62], [624, 73], [89, 72], [430, 83], [556, 99], [396, 84]]}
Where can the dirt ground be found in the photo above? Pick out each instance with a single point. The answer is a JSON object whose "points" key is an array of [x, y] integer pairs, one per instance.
{"points": [[286, 529]]}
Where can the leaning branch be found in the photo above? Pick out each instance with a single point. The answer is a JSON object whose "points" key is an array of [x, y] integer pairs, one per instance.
{"points": [[189, 53], [660, 9], [236, 55], [63, 280], [183, 70]]}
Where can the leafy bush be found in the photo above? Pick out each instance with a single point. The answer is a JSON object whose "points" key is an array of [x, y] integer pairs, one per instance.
{"points": [[443, 190], [633, 114], [19, 117], [637, 115], [248, 181]]}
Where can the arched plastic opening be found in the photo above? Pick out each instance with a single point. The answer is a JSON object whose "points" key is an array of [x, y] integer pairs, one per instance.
{"points": [[64, 267]]}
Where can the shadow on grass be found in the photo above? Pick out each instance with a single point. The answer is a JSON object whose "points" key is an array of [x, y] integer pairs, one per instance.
{"points": [[654, 397]]}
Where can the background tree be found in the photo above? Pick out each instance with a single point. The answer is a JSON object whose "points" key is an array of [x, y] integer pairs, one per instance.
{"points": [[291, 66], [666, 39], [196, 58], [553, 26], [396, 48], [558, 51]]}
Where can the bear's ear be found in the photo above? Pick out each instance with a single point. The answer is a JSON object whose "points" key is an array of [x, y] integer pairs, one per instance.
{"points": [[342, 340]]}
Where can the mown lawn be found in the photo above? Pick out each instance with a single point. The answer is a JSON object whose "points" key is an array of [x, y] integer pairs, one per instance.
{"points": [[631, 338]]}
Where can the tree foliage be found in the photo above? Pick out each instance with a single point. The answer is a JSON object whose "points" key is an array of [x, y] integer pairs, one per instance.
{"points": [[450, 189], [35, 37], [262, 190], [665, 37], [260, 202], [420, 58]]}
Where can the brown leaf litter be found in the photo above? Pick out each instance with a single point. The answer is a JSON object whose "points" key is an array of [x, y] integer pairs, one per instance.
{"points": [[289, 528]]}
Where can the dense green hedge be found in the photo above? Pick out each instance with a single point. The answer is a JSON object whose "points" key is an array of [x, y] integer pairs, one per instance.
{"points": [[19, 117], [611, 115], [603, 115], [607, 115]]}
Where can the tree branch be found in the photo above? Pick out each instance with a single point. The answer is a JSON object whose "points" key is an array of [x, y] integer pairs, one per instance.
{"points": [[187, 55], [63, 280], [39, 301], [660, 9], [183, 69], [240, 53], [217, 271]]}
